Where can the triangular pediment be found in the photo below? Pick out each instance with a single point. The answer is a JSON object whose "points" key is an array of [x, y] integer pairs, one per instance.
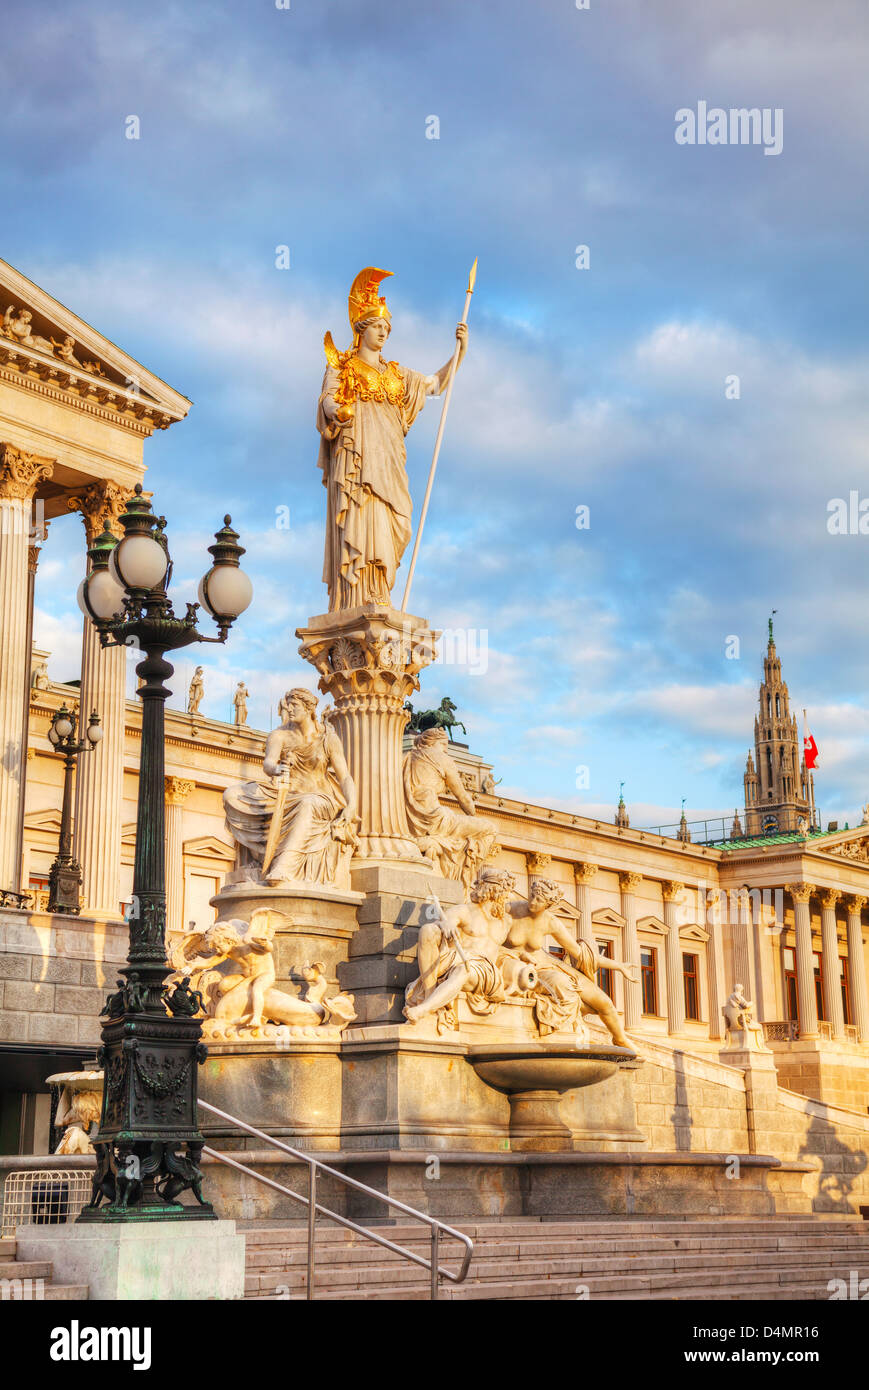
{"points": [[47, 820], [653, 924], [693, 932], [846, 844], [209, 847], [41, 339], [607, 917]]}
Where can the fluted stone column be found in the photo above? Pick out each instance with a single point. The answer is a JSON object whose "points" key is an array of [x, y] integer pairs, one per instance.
{"points": [[715, 982], [742, 954], [801, 894], [628, 884], [857, 967], [584, 874], [830, 963], [177, 791], [99, 789], [672, 892], [368, 660], [20, 475]]}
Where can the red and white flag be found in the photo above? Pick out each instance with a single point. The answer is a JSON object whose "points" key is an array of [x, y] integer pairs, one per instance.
{"points": [[810, 748]]}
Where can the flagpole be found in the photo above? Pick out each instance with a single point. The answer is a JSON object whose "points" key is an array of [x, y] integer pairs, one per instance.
{"points": [[440, 434], [809, 776]]}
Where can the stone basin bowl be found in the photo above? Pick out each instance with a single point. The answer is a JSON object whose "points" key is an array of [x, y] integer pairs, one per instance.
{"points": [[520, 1069]]}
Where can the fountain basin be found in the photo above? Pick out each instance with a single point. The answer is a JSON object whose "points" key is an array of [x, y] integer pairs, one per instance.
{"points": [[564, 1097], [547, 1069]]}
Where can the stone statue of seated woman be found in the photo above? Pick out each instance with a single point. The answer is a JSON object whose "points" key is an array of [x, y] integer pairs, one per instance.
{"points": [[298, 827]]}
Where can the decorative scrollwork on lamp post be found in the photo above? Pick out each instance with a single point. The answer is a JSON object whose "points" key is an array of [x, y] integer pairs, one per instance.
{"points": [[64, 876], [149, 1145]]}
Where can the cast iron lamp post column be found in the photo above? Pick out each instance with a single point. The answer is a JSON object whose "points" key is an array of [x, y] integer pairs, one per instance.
{"points": [[65, 877], [149, 1145]]}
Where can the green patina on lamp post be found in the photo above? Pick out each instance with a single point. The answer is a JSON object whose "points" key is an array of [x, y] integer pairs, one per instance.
{"points": [[149, 1145], [64, 876]]}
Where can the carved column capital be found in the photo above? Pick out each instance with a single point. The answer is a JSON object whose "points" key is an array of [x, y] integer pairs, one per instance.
{"points": [[800, 892], [672, 891], [21, 473], [177, 790], [100, 502], [537, 863], [33, 551], [855, 903], [584, 872], [830, 896], [629, 883]]}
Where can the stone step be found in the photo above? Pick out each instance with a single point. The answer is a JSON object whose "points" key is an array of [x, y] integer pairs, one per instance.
{"points": [[649, 1273], [25, 1269], [511, 1229], [53, 1293], [7, 1248], [361, 1251]]}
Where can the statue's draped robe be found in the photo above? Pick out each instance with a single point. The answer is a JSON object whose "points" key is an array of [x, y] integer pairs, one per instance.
{"points": [[307, 849], [368, 512], [457, 842]]}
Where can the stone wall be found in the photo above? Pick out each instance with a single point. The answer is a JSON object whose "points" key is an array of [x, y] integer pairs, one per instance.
{"points": [[55, 973]]}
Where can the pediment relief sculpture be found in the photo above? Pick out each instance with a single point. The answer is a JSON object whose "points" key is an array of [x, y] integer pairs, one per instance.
{"points": [[17, 326], [852, 849]]}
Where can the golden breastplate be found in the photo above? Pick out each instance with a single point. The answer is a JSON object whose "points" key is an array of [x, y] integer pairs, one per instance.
{"points": [[362, 382]]}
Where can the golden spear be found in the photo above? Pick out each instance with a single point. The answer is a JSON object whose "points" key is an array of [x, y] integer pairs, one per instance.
{"points": [[437, 448]]}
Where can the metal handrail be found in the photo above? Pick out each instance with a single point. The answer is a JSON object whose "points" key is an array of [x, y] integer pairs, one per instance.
{"points": [[314, 1208]]}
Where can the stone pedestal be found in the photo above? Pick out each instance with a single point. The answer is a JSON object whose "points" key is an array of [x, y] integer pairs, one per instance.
{"points": [[382, 953], [368, 660], [153, 1260]]}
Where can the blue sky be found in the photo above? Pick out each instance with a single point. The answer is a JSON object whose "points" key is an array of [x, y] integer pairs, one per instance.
{"points": [[602, 387]]}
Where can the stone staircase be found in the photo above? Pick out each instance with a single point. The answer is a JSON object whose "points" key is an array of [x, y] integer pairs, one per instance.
{"points": [[787, 1258], [30, 1280]]}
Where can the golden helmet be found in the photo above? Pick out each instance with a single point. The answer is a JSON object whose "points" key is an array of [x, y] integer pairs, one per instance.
{"points": [[363, 301]]}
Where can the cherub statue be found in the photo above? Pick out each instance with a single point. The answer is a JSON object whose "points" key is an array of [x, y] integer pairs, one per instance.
{"points": [[367, 405], [458, 841], [66, 350], [565, 991], [244, 994]]}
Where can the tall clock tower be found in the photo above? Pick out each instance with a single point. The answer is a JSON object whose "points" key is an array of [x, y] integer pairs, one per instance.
{"points": [[778, 789]]}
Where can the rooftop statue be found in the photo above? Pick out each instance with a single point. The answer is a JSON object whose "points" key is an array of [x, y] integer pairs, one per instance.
{"points": [[366, 407]]}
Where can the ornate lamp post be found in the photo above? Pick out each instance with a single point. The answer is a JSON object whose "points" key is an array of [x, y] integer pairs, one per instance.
{"points": [[64, 877], [151, 1041]]}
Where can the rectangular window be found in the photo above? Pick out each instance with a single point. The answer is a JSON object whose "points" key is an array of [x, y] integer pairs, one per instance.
{"points": [[846, 990], [690, 975], [648, 966], [788, 960], [605, 978], [819, 985]]}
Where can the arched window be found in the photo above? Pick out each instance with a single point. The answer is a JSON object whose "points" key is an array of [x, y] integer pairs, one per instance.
{"points": [[777, 707]]}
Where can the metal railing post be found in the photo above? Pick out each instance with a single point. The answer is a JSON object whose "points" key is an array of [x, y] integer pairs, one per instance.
{"points": [[312, 1218], [435, 1227]]}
